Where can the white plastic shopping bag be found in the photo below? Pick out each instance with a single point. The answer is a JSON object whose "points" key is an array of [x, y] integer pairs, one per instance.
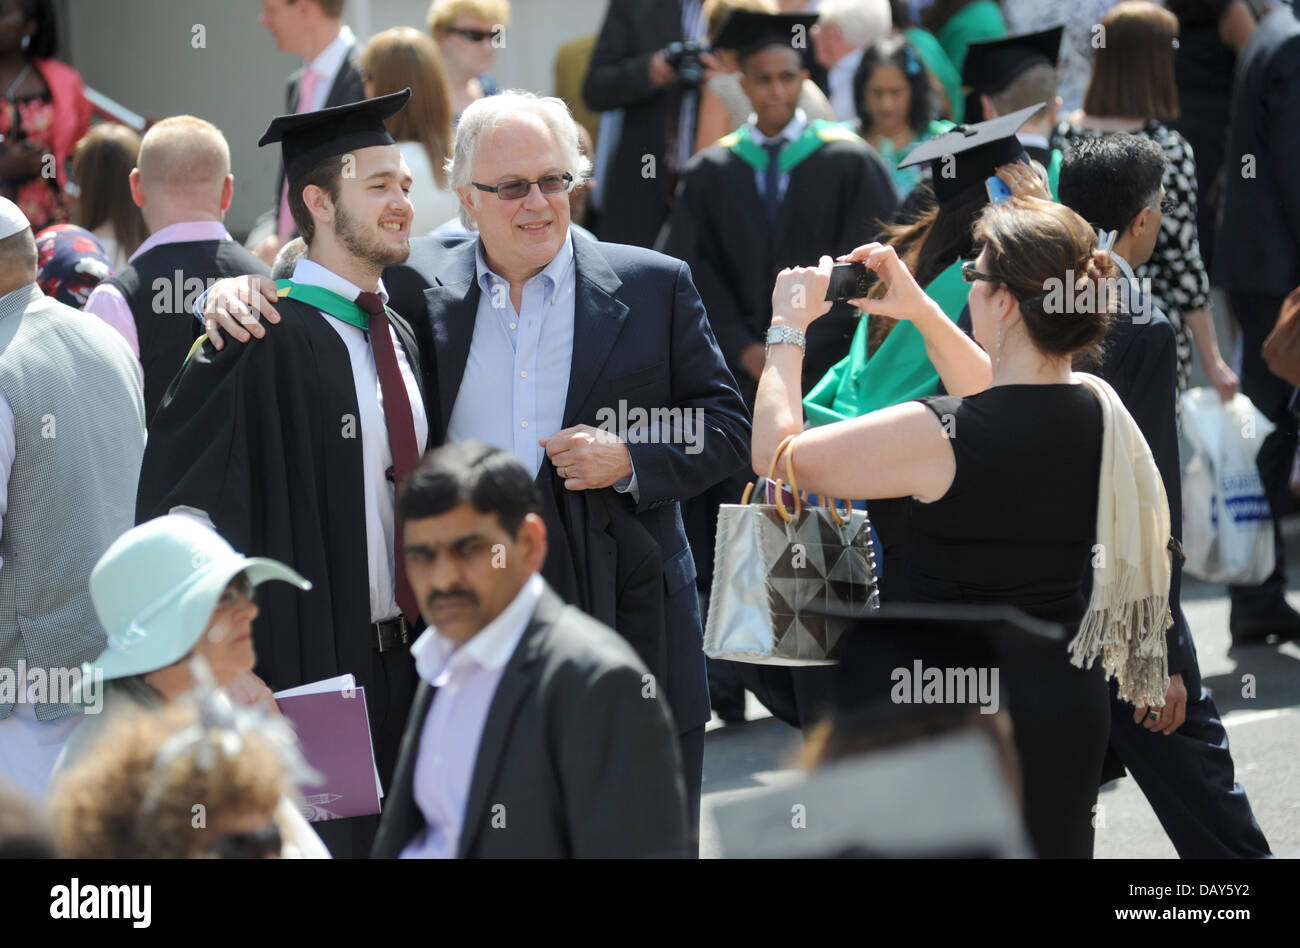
{"points": [[1227, 526]]}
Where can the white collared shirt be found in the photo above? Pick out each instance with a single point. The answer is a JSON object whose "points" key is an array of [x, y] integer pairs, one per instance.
{"points": [[327, 66], [466, 678], [789, 134], [376, 453], [839, 80]]}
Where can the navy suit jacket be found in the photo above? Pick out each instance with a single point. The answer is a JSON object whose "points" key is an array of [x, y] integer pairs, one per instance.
{"points": [[1257, 244], [1141, 365], [641, 335]]}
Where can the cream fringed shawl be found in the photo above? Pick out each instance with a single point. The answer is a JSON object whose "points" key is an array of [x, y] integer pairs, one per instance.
{"points": [[1129, 610]]}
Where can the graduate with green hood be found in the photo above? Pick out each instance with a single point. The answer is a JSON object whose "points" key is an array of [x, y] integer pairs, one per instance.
{"points": [[777, 192]]}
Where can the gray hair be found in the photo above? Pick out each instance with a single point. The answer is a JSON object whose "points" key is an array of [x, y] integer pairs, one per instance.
{"points": [[860, 22], [287, 259], [491, 112]]}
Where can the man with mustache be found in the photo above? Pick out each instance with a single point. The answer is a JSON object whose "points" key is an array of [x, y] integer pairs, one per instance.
{"points": [[536, 731], [292, 447]]}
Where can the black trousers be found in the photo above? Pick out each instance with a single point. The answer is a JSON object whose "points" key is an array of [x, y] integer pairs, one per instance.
{"points": [[1256, 314], [388, 703], [1188, 779], [691, 745]]}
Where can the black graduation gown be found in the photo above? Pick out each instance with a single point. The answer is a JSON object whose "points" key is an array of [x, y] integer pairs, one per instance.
{"points": [[832, 203], [266, 438]]}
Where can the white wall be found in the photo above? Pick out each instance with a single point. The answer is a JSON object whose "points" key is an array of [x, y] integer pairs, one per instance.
{"points": [[143, 53]]}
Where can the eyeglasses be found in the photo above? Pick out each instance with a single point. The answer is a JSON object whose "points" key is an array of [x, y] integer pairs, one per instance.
{"points": [[514, 190], [970, 274], [474, 36], [259, 844]]}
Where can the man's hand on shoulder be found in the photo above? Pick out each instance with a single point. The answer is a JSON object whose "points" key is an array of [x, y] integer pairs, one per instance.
{"points": [[236, 305]]}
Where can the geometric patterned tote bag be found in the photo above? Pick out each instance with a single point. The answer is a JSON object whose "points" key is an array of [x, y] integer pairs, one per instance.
{"points": [[776, 570]]}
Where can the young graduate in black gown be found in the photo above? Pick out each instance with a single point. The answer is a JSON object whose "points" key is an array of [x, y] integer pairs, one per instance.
{"points": [[291, 446], [777, 191]]}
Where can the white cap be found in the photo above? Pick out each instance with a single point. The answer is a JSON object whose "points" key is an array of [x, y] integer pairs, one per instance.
{"points": [[12, 220]]}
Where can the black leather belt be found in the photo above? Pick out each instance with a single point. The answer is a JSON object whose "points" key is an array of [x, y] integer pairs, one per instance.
{"points": [[390, 634]]}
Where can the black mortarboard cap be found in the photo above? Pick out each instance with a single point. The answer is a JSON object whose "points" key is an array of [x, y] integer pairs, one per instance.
{"points": [[992, 65], [935, 636], [747, 32], [977, 150], [309, 137]]}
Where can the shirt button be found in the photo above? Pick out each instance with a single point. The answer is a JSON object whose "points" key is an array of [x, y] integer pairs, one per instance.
{"points": [[512, 325], [523, 424], [523, 375]]}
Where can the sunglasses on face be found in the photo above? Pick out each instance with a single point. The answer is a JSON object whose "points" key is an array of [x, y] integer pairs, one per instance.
{"points": [[970, 274], [514, 190], [259, 844], [474, 36]]}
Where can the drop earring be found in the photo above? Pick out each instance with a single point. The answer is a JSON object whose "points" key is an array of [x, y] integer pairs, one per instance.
{"points": [[27, 41], [997, 350]]}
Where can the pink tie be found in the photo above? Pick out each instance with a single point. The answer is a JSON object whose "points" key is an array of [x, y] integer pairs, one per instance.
{"points": [[306, 95]]}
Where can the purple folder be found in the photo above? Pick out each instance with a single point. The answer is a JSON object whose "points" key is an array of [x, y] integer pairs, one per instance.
{"points": [[334, 733]]}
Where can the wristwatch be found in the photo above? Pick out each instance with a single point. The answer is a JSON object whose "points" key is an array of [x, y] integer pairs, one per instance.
{"points": [[777, 334]]}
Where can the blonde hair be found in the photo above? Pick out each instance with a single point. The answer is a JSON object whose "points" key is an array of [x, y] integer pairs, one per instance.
{"points": [[716, 12], [402, 57], [96, 807], [183, 151], [442, 13]]}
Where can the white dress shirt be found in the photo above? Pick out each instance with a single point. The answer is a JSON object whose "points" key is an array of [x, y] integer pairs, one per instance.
{"points": [[467, 680], [790, 133], [376, 454], [839, 80], [327, 66]]}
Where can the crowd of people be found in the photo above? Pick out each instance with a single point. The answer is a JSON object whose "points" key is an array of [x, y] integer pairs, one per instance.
{"points": [[393, 398]]}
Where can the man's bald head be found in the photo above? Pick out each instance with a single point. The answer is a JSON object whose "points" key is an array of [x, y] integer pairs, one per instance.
{"points": [[184, 152], [183, 171], [17, 260]]}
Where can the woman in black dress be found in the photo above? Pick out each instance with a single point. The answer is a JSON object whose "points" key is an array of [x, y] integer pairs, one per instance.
{"points": [[1005, 472]]}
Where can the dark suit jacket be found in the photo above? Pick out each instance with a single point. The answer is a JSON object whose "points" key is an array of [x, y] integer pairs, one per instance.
{"points": [[584, 764], [641, 336], [1141, 365], [634, 206], [831, 205], [1257, 244], [601, 559], [347, 87]]}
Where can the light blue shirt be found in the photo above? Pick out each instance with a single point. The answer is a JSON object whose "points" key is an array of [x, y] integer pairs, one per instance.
{"points": [[516, 377]]}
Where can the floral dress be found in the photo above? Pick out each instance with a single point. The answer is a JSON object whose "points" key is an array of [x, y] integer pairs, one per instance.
{"points": [[40, 198], [1179, 282]]}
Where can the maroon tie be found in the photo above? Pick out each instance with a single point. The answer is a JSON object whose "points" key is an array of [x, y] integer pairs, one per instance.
{"points": [[401, 432]]}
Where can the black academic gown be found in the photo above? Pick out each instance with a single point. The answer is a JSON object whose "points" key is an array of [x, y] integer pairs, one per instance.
{"points": [[832, 204], [265, 437]]}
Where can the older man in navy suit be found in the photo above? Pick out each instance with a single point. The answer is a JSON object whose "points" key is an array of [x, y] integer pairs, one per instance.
{"points": [[1179, 753], [594, 363]]}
